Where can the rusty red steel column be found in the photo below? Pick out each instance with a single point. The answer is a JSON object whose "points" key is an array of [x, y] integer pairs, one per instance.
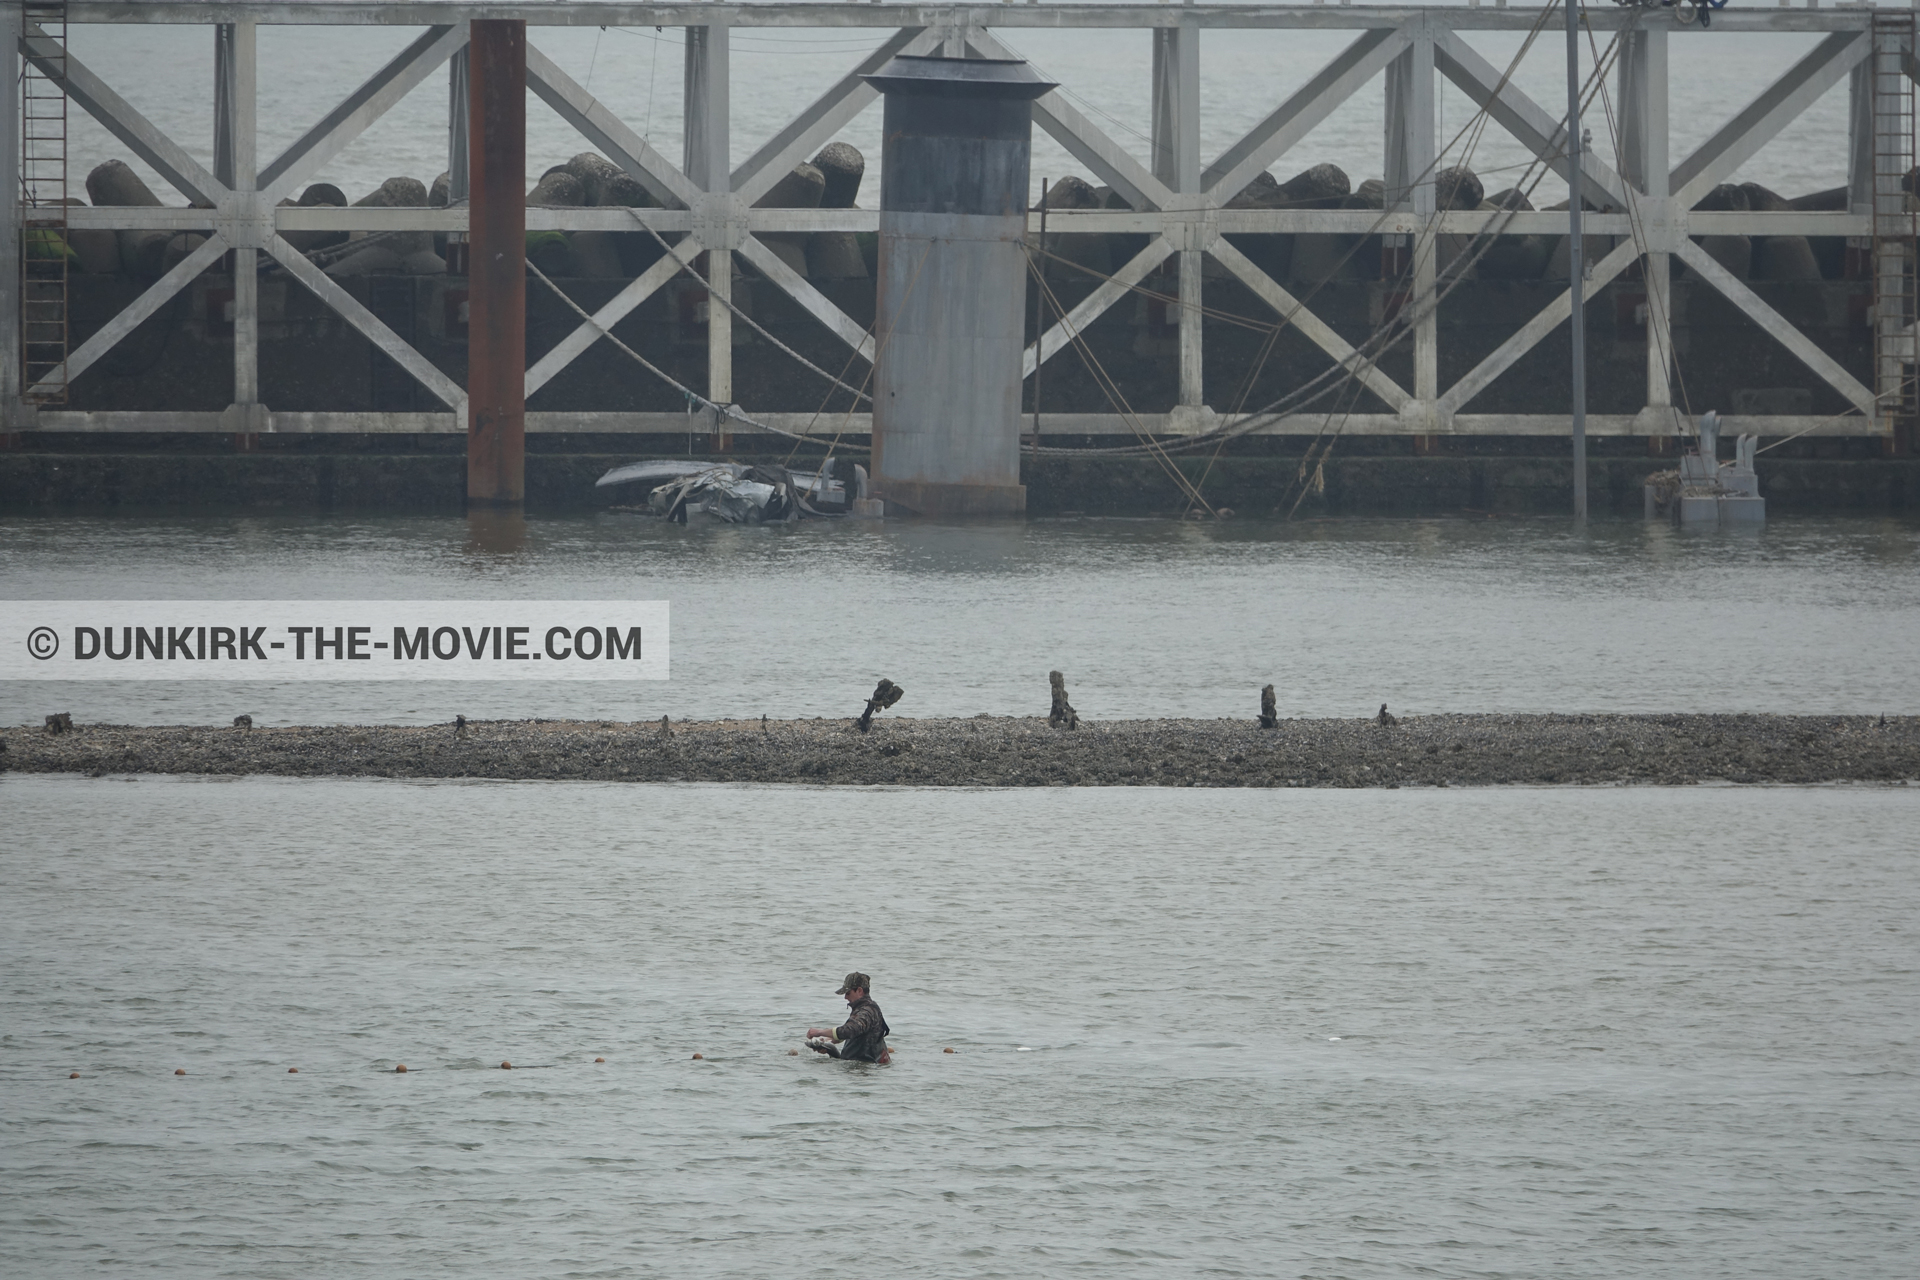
{"points": [[497, 265]]}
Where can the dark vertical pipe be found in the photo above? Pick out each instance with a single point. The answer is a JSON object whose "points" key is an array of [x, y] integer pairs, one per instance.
{"points": [[497, 279], [1576, 260]]}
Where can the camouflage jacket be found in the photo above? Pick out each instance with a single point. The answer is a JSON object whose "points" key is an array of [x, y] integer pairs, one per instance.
{"points": [[863, 1036]]}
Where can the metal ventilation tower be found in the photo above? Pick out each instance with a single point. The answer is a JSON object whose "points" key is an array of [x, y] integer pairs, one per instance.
{"points": [[43, 196]]}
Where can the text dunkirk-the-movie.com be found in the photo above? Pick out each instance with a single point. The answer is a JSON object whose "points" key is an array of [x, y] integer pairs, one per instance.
{"points": [[333, 640]]}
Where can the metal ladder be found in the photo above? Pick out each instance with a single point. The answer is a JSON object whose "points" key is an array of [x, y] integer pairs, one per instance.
{"points": [[43, 195], [1894, 223]]}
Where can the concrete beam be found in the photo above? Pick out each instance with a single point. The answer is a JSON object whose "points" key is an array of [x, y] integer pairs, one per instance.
{"points": [[617, 308], [1541, 132], [1113, 163], [816, 126], [91, 94], [359, 110], [1777, 106], [1778, 327], [1095, 304], [236, 102], [104, 339], [1054, 14], [1300, 114], [370, 326], [608, 133], [1294, 314], [11, 411], [1549, 318], [1061, 425], [788, 281]]}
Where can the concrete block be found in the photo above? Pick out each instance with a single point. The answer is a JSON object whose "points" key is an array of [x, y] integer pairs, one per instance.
{"points": [[1691, 510]]}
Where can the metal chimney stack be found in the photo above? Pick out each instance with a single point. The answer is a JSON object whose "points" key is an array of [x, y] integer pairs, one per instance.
{"points": [[951, 320]]}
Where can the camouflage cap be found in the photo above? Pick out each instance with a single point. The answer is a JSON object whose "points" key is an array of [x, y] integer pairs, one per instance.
{"points": [[856, 981]]}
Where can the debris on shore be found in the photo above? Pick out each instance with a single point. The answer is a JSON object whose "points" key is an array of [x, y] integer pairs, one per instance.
{"points": [[1437, 751]]}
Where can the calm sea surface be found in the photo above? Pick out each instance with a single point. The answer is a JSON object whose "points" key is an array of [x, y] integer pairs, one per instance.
{"points": [[1541, 1033], [1554, 1033], [1147, 618]]}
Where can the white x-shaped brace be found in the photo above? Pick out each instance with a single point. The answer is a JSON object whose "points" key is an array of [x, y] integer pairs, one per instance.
{"points": [[726, 219], [1194, 221]]}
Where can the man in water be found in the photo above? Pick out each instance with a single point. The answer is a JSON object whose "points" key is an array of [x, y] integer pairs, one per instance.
{"points": [[863, 1036]]}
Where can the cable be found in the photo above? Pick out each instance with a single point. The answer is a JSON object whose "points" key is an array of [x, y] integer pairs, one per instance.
{"points": [[751, 323], [693, 397], [1367, 353]]}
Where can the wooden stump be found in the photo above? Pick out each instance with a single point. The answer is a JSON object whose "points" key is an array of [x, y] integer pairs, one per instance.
{"points": [[885, 694], [1063, 715]]}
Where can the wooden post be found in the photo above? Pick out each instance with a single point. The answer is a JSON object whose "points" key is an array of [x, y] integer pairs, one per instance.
{"points": [[497, 280]]}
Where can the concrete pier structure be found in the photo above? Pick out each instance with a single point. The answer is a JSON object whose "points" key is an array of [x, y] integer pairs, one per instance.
{"points": [[953, 265], [1174, 207]]}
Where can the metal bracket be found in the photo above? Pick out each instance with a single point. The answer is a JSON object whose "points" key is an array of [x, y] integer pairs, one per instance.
{"points": [[1192, 230], [244, 220], [1426, 417], [1662, 222], [719, 220]]}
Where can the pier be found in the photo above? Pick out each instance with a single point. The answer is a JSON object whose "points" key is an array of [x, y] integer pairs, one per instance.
{"points": [[1184, 244]]}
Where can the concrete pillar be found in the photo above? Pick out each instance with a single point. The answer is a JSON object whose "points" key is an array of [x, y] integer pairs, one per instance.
{"points": [[236, 159], [1411, 150], [459, 91], [1176, 162], [497, 280], [708, 90], [12, 414], [1186, 168], [1166, 74], [1893, 245], [953, 200], [1860, 137], [1645, 166]]}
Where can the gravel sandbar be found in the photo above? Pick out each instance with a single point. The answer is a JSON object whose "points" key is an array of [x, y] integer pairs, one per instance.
{"points": [[1437, 750]]}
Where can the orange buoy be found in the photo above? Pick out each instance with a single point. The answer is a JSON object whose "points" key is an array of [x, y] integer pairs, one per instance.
{"points": [[73, 1075], [293, 1071], [401, 1069], [506, 1066], [948, 1049], [599, 1059], [179, 1071], [699, 1057]]}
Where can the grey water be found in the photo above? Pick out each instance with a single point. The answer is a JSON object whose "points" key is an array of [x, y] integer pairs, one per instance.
{"points": [[1147, 617], [1568, 1033]]}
